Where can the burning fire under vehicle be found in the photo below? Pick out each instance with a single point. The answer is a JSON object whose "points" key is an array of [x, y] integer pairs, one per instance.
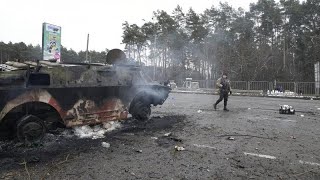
{"points": [[36, 97]]}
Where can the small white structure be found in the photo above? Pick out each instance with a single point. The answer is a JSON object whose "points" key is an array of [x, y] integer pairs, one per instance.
{"points": [[191, 85], [195, 85], [188, 83]]}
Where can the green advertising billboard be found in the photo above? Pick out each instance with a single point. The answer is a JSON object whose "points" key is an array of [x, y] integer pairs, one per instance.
{"points": [[51, 42]]}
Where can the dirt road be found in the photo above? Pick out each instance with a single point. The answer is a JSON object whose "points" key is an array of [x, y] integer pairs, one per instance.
{"points": [[252, 141]]}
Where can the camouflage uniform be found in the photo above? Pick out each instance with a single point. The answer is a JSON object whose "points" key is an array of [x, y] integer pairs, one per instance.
{"points": [[224, 90]]}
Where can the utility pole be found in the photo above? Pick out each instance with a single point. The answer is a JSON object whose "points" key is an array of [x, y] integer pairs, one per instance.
{"points": [[87, 48], [154, 58], [284, 53]]}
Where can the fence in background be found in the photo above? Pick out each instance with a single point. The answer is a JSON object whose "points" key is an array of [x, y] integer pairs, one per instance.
{"points": [[300, 88]]}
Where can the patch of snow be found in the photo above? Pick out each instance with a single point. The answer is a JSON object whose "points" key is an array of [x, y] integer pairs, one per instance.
{"points": [[96, 132], [105, 144], [260, 155], [309, 163]]}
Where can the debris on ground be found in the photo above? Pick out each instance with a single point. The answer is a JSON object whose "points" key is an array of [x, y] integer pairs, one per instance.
{"points": [[231, 138], [292, 137], [110, 126], [88, 132], [9, 175], [199, 111], [139, 151], [204, 146], [179, 148], [105, 144], [176, 139], [167, 134], [302, 115], [155, 138], [96, 132], [67, 133], [160, 117], [286, 109]]}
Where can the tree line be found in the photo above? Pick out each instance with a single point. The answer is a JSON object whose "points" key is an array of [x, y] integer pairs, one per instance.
{"points": [[270, 41], [22, 52]]}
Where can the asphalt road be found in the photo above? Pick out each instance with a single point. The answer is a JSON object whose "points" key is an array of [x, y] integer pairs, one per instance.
{"points": [[252, 141]]}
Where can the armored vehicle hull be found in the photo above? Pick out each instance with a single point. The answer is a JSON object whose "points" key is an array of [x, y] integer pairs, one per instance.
{"points": [[35, 97]]}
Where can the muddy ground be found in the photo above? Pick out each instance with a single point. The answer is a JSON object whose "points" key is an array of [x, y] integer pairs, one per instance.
{"points": [[252, 141]]}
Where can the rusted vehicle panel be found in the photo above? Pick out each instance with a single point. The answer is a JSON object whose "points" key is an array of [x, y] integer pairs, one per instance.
{"points": [[76, 94]]}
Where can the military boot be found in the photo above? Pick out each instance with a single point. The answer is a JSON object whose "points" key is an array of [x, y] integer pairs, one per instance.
{"points": [[225, 109]]}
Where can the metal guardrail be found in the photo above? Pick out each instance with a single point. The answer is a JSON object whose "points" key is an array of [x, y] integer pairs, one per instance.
{"points": [[307, 88], [241, 85], [299, 88]]}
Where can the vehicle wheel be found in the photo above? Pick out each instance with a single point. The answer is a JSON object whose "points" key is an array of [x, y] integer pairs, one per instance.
{"points": [[30, 129], [142, 111]]}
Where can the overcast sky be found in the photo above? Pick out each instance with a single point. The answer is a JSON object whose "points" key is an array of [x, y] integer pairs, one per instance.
{"points": [[21, 20]]}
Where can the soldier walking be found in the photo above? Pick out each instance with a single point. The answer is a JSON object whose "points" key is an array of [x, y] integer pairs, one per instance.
{"points": [[224, 89]]}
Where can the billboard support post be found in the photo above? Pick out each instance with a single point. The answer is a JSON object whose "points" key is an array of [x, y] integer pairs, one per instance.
{"points": [[87, 48]]}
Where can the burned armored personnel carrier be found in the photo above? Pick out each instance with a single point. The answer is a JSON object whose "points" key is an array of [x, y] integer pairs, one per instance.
{"points": [[36, 96]]}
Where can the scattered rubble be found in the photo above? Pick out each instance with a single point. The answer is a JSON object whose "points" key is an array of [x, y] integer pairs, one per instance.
{"points": [[110, 126], [199, 111], [179, 148], [286, 109], [278, 93], [105, 144], [231, 138], [167, 134], [96, 132]]}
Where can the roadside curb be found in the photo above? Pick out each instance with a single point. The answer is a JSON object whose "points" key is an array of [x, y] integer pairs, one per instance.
{"points": [[250, 95]]}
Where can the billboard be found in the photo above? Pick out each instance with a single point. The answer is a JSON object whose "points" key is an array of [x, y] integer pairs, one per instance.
{"points": [[51, 42]]}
